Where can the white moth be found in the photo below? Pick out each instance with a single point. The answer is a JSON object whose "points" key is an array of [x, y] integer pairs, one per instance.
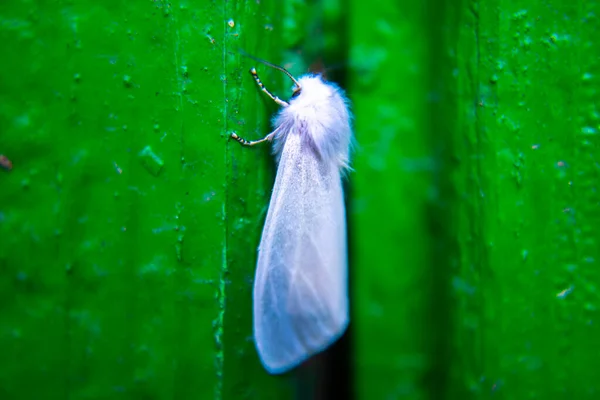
{"points": [[300, 287]]}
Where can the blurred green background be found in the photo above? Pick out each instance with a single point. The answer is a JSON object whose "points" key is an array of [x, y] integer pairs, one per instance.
{"points": [[129, 222]]}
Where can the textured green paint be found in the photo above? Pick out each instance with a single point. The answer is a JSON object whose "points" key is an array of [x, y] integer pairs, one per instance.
{"points": [[475, 205], [392, 186], [529, 213], [129, 222]]}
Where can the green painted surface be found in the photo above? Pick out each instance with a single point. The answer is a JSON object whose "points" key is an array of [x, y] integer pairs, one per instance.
{"points": [[528, 221], [129, 223], [475, 204], [391, 188]]}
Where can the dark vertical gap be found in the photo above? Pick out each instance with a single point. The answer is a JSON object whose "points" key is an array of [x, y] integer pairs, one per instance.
{"points": [[444, 249], [328, 375], [338, 380]]}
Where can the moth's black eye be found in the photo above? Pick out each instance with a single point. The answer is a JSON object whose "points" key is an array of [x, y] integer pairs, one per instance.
{"points": [[295, 94]]}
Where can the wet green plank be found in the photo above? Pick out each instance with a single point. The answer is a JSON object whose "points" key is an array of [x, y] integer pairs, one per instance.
{"points": [[536, 126], [391, 189], [511, 250], [250, 176], [526, 145], [118, 227], [129, 224]]}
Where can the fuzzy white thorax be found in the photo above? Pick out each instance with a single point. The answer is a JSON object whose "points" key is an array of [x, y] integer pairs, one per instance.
{"points": [[319, 113]]}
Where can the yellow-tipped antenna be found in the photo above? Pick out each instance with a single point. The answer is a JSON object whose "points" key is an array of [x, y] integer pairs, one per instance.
{"points": [[260, 60]]}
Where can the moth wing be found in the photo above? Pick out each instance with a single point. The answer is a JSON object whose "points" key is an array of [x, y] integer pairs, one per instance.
{"points": [[300, 287]]}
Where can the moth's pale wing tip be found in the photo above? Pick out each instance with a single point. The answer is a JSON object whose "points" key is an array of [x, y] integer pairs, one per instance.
{"points": [[276, 366]]}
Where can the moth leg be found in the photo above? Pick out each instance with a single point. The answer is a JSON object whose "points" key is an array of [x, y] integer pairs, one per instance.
{"points": [[264, 89], [253, 142]]}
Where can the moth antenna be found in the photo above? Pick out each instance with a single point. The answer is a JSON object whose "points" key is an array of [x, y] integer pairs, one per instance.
{"points": [[277, 67]]}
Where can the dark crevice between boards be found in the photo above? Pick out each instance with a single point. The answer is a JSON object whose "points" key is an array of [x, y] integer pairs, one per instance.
{"points": [[441, 210], [338, 362], [328, 375]]}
